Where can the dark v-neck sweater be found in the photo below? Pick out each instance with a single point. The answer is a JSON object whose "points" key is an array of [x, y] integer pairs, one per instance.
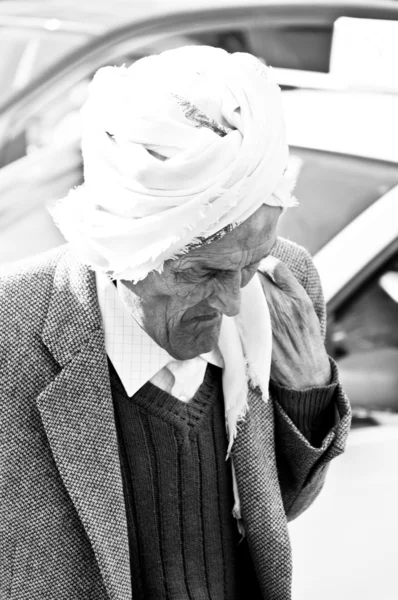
{"points": [[183, 540]]}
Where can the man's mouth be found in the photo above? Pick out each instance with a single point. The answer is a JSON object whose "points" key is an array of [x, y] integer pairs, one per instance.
{"points": [[210, 317], [206, 317]]}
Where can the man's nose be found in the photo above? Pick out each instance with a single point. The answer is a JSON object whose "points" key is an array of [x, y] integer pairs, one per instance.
{"points": [[227, 300], [232, 304]]}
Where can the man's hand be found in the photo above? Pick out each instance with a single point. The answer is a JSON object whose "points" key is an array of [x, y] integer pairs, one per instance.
{"points": [[299, 358]]}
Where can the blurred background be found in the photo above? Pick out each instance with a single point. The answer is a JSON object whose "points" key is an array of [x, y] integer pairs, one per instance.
{"points": [[337, 64]]}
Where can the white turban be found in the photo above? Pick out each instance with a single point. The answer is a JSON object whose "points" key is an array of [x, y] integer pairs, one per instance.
{"points": [[157, 176]]}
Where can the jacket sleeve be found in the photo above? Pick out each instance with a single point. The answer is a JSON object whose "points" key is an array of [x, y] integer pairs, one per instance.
{"points": [[311, 426]]}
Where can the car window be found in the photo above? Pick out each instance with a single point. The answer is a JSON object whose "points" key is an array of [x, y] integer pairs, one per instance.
{"points": [[292, 48], [58, 120], [12, 46], [57, 123], [25, 53], [332, 190], [289, 48], [364, 339]]}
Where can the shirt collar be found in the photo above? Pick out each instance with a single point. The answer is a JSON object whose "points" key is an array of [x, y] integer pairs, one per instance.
{"points": [[135, 356]]}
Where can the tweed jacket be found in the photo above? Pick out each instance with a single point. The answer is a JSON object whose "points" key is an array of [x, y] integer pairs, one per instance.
{"points": [[63, 532]]}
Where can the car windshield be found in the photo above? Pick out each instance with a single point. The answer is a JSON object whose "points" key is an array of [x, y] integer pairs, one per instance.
{"points": [[27, 52], [332, 189], [344, 155]]}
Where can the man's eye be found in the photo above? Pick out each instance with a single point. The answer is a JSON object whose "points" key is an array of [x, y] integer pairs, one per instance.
{"points": [[213, 275], [188, 276]]}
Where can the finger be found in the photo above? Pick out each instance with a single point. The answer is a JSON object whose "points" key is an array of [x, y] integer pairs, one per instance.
{"points": [[280, 274]]}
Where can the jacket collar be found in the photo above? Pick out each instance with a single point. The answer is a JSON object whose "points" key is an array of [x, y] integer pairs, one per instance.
{"points": [[73, 315], [77, 413]]}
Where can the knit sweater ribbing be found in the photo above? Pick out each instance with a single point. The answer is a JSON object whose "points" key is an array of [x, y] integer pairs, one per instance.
{"points": [[183, 540]]}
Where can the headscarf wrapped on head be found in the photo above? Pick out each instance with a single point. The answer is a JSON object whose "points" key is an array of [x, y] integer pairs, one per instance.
{"points": [[158, 176], [178, 150]]}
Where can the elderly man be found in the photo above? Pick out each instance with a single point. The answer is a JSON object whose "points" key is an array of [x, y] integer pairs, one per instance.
{"points": [[174, 331]]}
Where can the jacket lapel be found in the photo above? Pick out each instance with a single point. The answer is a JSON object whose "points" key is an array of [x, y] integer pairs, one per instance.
{"points": [[77, 413]]}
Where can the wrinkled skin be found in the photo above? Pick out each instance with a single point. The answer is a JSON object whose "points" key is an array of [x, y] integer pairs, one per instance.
{"points": [[299, 358], [182, 307]]}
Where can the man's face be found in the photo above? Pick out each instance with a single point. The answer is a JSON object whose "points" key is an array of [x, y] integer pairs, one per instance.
{"points": [[182, 307]]}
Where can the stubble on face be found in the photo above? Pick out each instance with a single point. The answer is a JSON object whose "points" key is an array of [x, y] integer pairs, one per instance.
{"points": [[182, 307]]}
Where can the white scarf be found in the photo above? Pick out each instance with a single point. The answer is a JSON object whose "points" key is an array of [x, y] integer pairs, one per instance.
{"points": [[135, 210], [177, 147]]}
